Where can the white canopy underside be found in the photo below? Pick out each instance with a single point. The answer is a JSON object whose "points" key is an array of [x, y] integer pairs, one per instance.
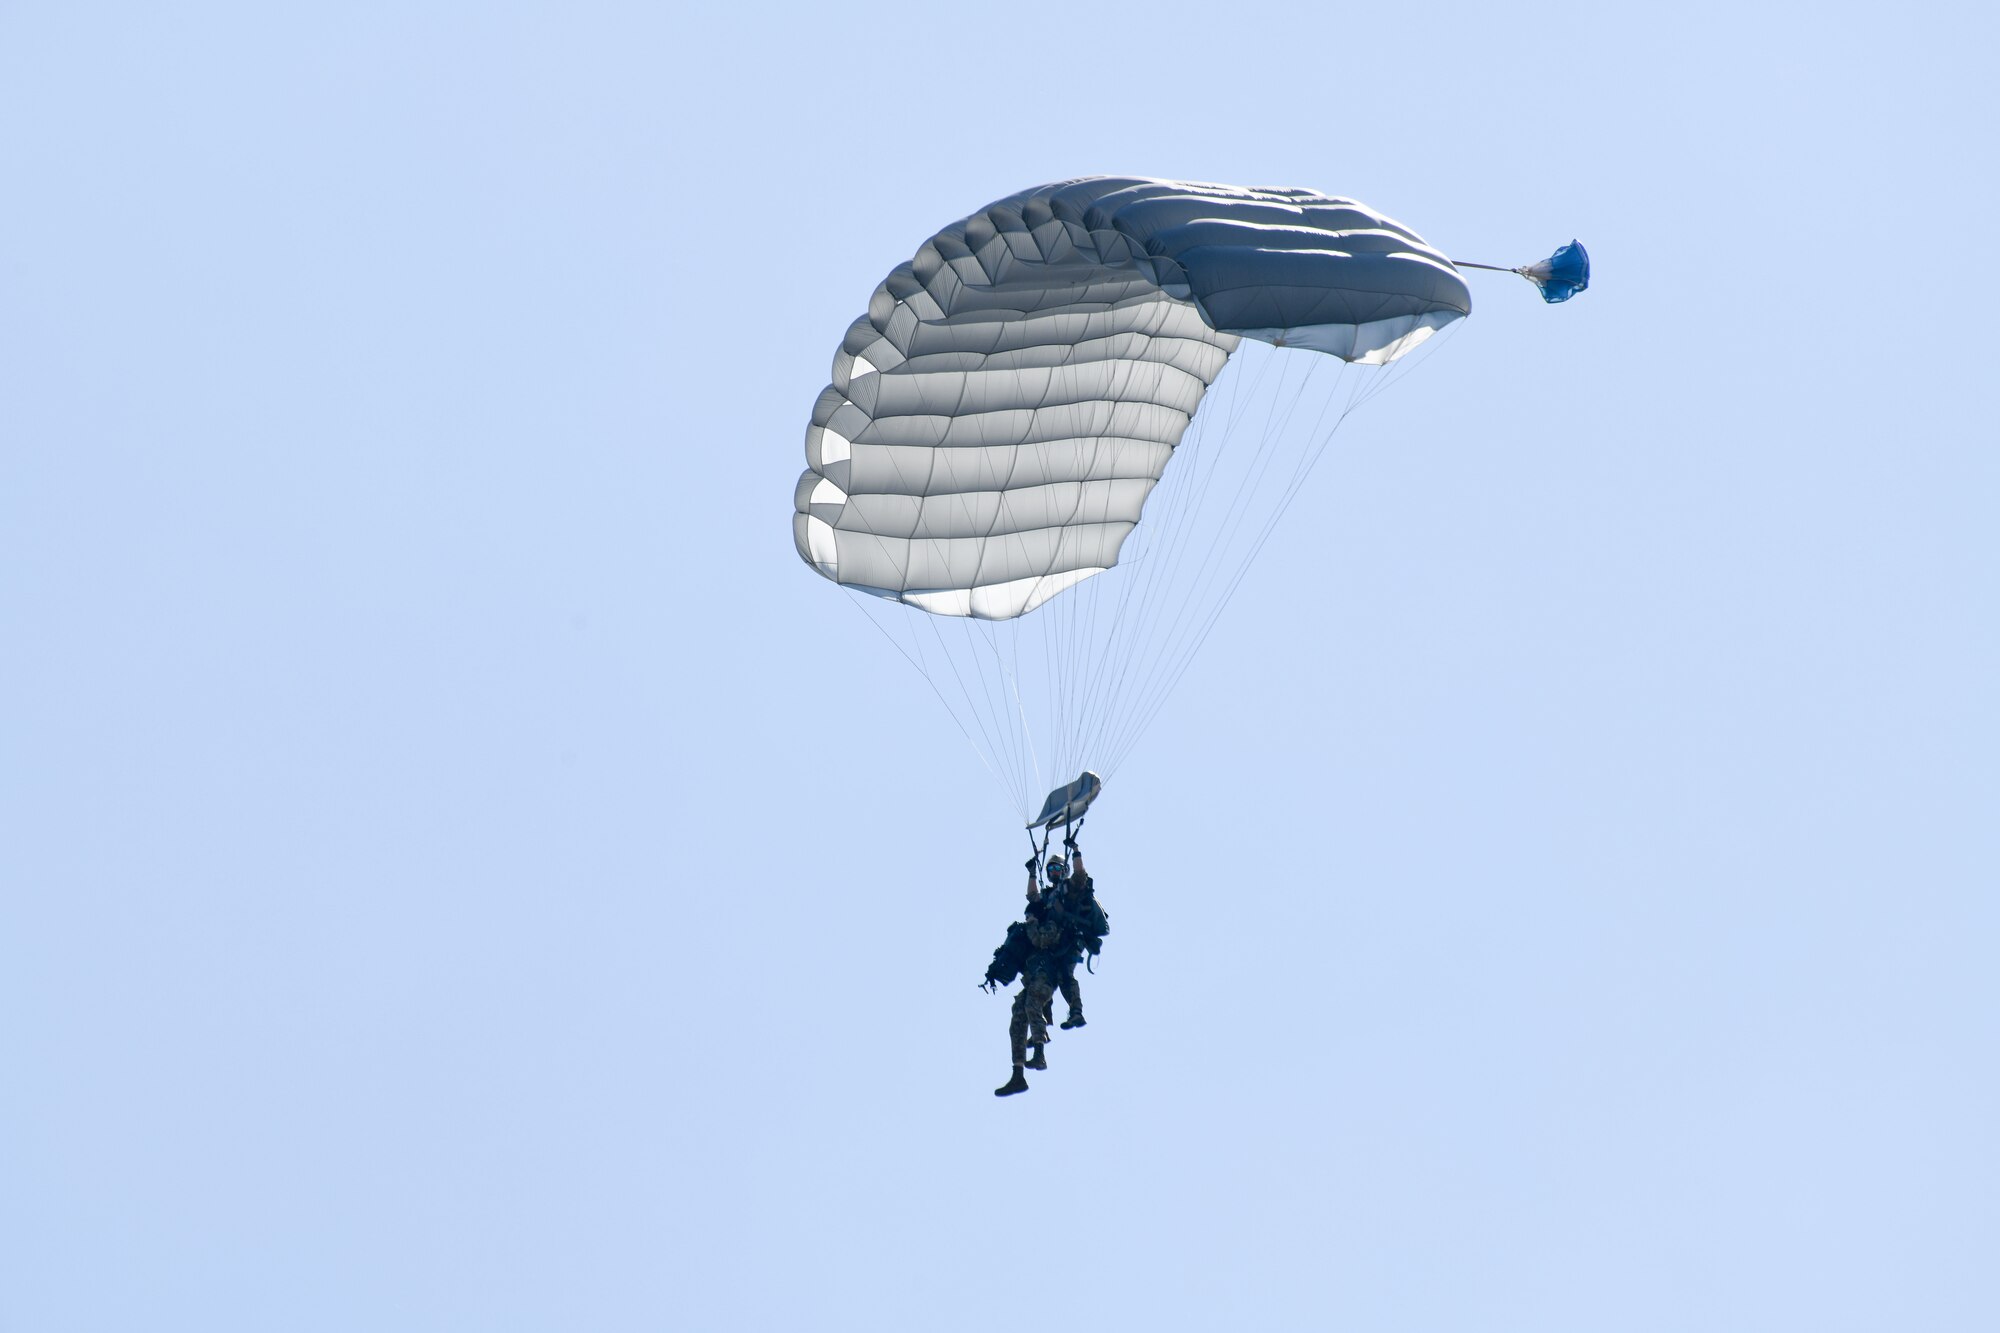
{"points": [[997, 420]]}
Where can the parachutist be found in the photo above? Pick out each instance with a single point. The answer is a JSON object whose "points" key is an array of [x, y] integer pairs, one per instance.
{"points": [[1061, 924], [1084, 927]]}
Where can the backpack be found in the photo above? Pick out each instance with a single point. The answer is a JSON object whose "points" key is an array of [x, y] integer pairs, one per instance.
{"points": [[1088, 920], [1095, 925], [1011, 956]]}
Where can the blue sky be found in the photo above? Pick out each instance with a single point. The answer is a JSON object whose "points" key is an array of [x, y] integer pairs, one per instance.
{"points": [[462, 870]]}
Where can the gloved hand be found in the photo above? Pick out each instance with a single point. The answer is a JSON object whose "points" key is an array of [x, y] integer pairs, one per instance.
{"points": [[1031, 863]]}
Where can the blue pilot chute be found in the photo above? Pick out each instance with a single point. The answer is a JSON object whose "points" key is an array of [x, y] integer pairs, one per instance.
{"points": [[1559, 277], [1562, 275]]}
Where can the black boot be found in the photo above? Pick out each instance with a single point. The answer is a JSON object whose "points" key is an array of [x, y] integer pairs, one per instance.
{"points": [[1039, 1062], [1018, 1083], [1075, 1020]]}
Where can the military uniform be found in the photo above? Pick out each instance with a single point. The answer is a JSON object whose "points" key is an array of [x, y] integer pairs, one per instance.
{"points": [[1040, 975], [1046, 947], [1077, 907]]}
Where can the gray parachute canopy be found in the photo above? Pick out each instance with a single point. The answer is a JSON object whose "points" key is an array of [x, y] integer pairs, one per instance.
{"points": [[999, 416]]}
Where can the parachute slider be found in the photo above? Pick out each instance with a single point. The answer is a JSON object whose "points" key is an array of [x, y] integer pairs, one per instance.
{"points": [[1559, 277], [1067, 804]]}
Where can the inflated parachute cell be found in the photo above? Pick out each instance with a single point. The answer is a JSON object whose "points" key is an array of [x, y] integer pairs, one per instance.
{"points": [[999, 416]]}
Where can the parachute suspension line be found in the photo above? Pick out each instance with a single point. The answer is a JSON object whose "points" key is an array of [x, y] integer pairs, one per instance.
{"points": [[1217, 447], [865, 614], [1192, 483], [992, 754], [1001, 641], [997, 757], [1014, 679], [1059, 633], [1244, 399], [1266, 452], [978, 715], [1006, 750], [1062, 381], [1084, 642], [947, 649], [1115, 649], [1052, 677], [1183, 629], [1401, 369], [1179, 661], [1089, 663], [993, 695], [993, 692], [1309, 459], [1360, 393], [1023, 741], [1140, 575]]}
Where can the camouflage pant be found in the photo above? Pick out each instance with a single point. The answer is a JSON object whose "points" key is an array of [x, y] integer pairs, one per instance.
{"points": [[1031, 1004], [1071, 992]]}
